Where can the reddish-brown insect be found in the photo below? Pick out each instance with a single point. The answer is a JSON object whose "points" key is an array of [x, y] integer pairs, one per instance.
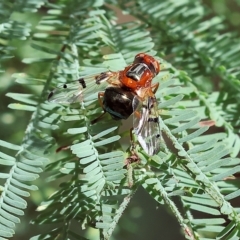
{"points": [[125, 92]]}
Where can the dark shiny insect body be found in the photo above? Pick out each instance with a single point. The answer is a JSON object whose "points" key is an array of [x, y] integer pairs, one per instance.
{"points": [[118, 102]]}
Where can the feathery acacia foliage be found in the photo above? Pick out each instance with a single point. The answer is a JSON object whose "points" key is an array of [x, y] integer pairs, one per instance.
{"points": [[96, 181]]}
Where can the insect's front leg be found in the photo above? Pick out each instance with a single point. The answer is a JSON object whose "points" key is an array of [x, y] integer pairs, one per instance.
{"points": [[154, 87], [100, 96]]}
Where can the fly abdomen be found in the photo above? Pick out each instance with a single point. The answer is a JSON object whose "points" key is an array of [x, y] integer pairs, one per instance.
{"points": [[118, 102]]}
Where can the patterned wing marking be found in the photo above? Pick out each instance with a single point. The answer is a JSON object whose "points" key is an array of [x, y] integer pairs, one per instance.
{"points": [[77, 90], [146, 124]]}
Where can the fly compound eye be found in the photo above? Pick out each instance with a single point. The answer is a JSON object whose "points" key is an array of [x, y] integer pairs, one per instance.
{"points": [[153, 69], [151, 62], [156, 66], [139, 58]]}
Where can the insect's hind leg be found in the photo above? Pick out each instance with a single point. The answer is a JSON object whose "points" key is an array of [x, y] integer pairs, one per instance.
{"points": [[131, 159], [63, 148], [100, 95], [132, 141]]}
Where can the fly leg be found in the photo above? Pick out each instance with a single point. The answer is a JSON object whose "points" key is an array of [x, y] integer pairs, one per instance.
{"points": [[133, 155], [100, 96], [62, 148], [133, 158], [155, 87], [133, 146]]}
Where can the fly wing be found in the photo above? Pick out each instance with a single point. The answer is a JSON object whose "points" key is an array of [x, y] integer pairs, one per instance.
{"points": [[77, 90], [146, 124]]}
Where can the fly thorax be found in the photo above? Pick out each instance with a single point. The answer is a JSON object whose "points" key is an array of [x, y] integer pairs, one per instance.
{"points": [[137, 71]]}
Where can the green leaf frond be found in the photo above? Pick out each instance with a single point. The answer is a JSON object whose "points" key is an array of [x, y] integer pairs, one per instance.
{"points": [[202, 45], [24, 168], [11, 28], [101, 168], [97, 181], [190, 37], [203, 158]]}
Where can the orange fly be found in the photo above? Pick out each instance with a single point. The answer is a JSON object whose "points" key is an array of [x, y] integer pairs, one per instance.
{"points": [[126, 92]]}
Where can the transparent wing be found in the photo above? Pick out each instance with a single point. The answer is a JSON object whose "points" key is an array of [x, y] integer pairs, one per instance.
{"points": [[82, 88], [146, 124]]}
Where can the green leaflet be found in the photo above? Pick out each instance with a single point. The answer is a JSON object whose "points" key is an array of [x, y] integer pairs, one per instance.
{"points": [[6, 162], [212, 221], [87, 160], [193, 135], [107, 141], [25, 98], [20, 192], [200, 199], [170, 102], [99, 135], [232, 195], [10, 146], [77, 130], [22, 78], [204, 209], [9, 217], [4, 175], [23, 107], [202, 147], [23, 185], [225, 174], [186, 126], [181, 117], [213, 155]]}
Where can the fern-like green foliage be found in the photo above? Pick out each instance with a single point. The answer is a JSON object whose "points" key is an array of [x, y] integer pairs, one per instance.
{"points": [[94, 170]]}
